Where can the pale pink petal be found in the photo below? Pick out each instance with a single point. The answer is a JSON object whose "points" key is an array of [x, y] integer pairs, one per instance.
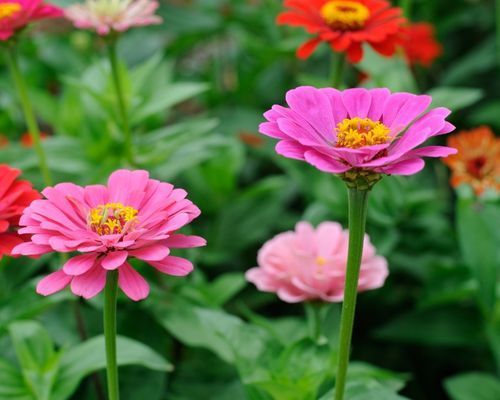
{"points": [[79, 264], [405, 167], [114, 260], [171, 265], [179, 241], [156, 252], [90, 283]]}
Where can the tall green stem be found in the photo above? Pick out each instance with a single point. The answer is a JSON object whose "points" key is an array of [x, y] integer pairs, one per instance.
{"points": [[34, 130], [358, 200], [122, 106], [338, 66], [406, 7], [110, 294]]}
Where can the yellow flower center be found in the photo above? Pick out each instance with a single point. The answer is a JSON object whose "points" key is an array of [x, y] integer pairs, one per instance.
{"points": [[321, 261], [112, 218], [359, 132], [345, 15], [9, 9]]}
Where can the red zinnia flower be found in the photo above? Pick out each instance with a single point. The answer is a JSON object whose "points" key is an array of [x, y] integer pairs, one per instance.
{"points": [[419, 44], [15, 196], [346, 25]]}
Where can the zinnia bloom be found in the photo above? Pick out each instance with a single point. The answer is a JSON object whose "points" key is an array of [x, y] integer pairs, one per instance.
{"points": [[15, 196], [310, 264], [478, 160], [106, 16], [357, 130], [345, 25], [133, 216], [420, 45], [16, 14]]}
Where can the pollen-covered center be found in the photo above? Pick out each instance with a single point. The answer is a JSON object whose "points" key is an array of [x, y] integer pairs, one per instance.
{"points": [[9, 9], [112, 218], [345, 15], [359, 132]]}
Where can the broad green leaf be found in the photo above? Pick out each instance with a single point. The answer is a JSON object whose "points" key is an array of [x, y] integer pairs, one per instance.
{"points": [[455, 98], [12, 385], [88, 357], [473, 386]]}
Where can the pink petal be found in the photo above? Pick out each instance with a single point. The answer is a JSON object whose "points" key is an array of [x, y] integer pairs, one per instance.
{"points": [[432, 151], [123, 183], [90, 283], [406, 167], [179, 241], [30, 249], [324, 163], [357, 102], [114, 260], [176, 266], [79, 264], [132, 283], [156, 252], [53, 283], [291, 149]]}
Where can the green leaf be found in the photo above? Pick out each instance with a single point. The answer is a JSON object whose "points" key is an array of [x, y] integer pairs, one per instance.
{"points": [[88, 357], [37, 358], [478, 240], [455, 98], [473, 386], [12, 385]]}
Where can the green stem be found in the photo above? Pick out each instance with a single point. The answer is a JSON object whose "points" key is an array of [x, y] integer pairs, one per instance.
{"points": [[497, 17], [34, 130], [358, 200], [314, 319], [338, 66], [122, 107], [406, 7], [110, 294]]}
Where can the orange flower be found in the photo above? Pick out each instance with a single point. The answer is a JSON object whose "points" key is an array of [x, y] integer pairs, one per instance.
{"points": [[27, 141], [345, 25], [419, 44], [477, 162], [4, 141]]}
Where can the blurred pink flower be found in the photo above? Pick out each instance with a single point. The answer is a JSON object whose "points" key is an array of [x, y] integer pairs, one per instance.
{"points": [[310, 264], [16, 14], [357, 129], [106, 16], [133, 216]]}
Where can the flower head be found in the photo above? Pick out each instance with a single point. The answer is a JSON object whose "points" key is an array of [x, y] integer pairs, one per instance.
{"points": [[16, 14], [478, 160], [345, 25], [15, 196], [419, 44], [357, 130], [133, 216], [106, 16], [310, 264]]}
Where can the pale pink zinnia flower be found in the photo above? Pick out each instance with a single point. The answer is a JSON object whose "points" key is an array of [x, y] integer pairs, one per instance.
{"points": [[133, 216], [357, 129], [310, 264], [17, 14], [106, 16]]}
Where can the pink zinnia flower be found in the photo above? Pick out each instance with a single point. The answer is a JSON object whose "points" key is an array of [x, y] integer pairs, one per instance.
{"points": [[310, 264], [133, 216], [357, 129], [106, 16], [16, 14], [15, 196]]}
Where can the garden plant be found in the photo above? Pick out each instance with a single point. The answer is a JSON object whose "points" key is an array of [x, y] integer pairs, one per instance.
{"points": [[249, 200]]}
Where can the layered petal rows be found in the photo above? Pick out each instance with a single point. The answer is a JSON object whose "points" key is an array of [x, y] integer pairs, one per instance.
{"points": [[133, 216], [310, 264], [308, 129]]}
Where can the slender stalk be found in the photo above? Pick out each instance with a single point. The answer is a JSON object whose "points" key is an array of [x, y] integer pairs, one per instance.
{"points": [[34, 130], [358, 200], [497, 17], [314, 319], [122, 106], [110, 294], [406, 7], [338, 66]]}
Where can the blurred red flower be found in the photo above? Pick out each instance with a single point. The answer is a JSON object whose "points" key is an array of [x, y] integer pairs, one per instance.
{"points": [[15, 196], [27, 141], [4, 141], [345, 25], [419, 44]]}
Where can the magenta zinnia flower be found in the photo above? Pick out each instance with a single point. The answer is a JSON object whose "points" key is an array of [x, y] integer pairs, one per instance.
{"points": [[133, 216], [16, 14], [357, 129], [310, 264], [106, 16]]}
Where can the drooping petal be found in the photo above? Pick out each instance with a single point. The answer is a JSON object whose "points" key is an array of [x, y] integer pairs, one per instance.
{"points": [[79, 264], [53, 283], [132, 283]]}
